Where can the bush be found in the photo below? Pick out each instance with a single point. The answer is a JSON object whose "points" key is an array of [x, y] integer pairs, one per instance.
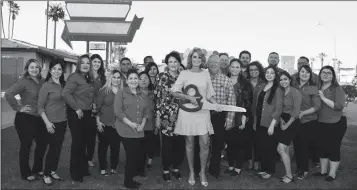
{"points": [[351, 93]]}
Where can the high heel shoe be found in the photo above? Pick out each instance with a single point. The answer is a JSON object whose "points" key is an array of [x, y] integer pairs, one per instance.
{"points": [[203, 183], [191, 182]]}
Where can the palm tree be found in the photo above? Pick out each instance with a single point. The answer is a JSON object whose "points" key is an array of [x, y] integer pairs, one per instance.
{"points": [[2, 19], [11, 4], [56, 13], [15, 11], [322, 58]]}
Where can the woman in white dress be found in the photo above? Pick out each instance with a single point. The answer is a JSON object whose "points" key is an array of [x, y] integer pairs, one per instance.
{"points": [[190, 124]]}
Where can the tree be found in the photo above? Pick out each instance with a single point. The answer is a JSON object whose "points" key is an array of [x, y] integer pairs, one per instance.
{"points": [[10, 3], [2, 20], [15, 11], [56, 13], [351, 93], [322, 58]]}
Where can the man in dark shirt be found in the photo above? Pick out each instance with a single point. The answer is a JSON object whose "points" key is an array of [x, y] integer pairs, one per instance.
{"points": [[125, 65], [304, 61], [273, 60], [224, 62], [148, 59], [245, 57]]}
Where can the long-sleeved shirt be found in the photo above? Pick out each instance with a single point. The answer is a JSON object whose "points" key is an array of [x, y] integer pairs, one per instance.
{"points": [[77, 93], [244, 98], [28, 90], [225, 95], [332, 115], [256, 90], [273, 110], [310, 98], [134, 107], [292, 102], [149, 125], [105, 105], [51, 102]]}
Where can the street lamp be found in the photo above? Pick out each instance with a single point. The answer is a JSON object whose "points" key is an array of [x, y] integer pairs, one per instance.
{"points": [[334, 47], [334, 38]]}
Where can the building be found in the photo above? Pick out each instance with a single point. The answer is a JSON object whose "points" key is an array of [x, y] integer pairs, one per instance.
{"points": [[15, 54], [347, 75], [287, 63]]}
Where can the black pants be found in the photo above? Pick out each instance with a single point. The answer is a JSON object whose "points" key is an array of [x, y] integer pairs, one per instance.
{"points": [[267, 148], [157, 145], [131, 147], [249, 147], [29, 127], [218, 120], [109, 137], [305, 136], [147, 150], [237, 143], [55, 141], [90, 138], [78, 166], [173, 151], [331, 138]]}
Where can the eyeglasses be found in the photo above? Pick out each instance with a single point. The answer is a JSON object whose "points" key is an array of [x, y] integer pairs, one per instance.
{"points": [[252, 70], [327, 73]]}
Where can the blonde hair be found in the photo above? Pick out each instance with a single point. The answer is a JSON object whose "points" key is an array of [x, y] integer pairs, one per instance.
{"points": [[108, 84], [200, 54]]}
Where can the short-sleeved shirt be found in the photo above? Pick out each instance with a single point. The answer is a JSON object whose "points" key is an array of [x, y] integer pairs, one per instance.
{"points": [[134, 107], [28, 90], [78, 93], [332, 115], [105, 105], [51, 102]]}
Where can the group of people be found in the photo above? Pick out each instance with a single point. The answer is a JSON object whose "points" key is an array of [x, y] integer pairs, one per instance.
{"points": [[144, 111]]}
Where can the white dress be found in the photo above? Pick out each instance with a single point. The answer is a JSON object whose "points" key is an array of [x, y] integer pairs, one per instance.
{"points": [[194, 123]]}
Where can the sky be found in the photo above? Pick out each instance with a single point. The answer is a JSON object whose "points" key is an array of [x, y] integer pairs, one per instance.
{"points": [[289, 28]]}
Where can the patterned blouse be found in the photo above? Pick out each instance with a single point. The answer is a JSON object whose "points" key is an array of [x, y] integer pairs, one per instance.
{"points": [[166, 105]]}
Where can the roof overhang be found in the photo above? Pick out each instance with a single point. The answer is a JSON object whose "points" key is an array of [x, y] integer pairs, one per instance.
{"points": [[108, 31], [98, 10]]}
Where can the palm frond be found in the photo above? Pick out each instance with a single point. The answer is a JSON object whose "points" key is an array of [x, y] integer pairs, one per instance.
{"points": [[56, 12]]}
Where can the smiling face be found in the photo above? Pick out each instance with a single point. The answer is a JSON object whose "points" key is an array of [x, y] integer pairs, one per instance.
{"points": [[196, 60], [304, 75], [125, 65], [173, 64], [213, 64], [235, 68], [224, 61], [254, 71], [133, 80], [269, 75], [116, 79], [33, 69], [56, 71], [85, 65], [96, 63], [326, 75], [245, 59], [144, 81], [284, 81], [153, 71]]}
